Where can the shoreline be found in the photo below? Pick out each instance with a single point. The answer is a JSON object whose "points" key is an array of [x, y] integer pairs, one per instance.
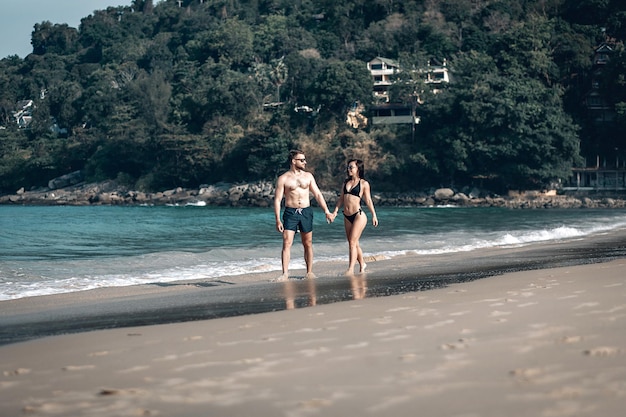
{"points": [[261, 194], [540, 342], [250, 294]]}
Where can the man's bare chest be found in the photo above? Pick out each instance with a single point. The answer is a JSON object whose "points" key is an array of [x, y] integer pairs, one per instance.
{"points": [[298, 183]]}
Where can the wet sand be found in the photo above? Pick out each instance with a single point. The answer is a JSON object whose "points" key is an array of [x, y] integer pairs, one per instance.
{"points": [[536, 331]]}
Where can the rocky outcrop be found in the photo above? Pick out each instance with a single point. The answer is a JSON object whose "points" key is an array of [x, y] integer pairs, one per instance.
{"points": [[66, 180], [261, 194]]}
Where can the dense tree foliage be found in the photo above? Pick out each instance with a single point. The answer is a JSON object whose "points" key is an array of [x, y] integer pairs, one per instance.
{"points": [[202, 91]]}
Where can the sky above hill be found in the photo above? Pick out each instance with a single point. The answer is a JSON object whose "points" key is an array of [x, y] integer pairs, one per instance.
{"points": [[18, 17]]}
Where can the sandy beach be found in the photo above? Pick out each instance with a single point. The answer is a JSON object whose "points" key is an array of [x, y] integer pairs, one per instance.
{"points": [[548, 341]]}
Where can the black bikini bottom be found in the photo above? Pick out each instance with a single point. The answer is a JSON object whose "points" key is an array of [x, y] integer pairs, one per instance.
{"points": [[351, 217]]}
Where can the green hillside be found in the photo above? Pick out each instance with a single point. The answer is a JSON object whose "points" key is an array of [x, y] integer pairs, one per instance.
{"points": [[182, 93]]}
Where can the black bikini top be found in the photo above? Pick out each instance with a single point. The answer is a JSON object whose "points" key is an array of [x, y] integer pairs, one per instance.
{"points": [[356, 190]]}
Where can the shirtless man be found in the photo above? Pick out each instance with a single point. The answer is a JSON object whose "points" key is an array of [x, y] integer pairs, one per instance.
{"points": [[295, 185]]}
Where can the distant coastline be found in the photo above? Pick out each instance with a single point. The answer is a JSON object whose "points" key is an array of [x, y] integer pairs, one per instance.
{"points": [[261, 194]]}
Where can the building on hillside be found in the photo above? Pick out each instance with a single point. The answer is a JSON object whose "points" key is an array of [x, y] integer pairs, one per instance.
{"points": [[609, 171], [436, 73], [597, 179], [394, 113], [597, 105], [383, 72]]}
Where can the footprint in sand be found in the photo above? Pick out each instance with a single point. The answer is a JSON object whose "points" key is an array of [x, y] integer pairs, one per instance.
{"points": [[526, 374], [497, 313], [570, 339], [71, 368], [586, 305], [409, 357], [602, 351], [459, 344], [133, 369], [315, 403], [15, 372], [500, 316], [113, 391], [529, 304]]}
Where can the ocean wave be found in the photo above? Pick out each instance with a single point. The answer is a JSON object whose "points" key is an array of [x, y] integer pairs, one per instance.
{"points": [[168, 245]]}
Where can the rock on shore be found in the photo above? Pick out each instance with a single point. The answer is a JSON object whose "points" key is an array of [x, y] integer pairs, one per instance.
{"points": [[261, 194]]}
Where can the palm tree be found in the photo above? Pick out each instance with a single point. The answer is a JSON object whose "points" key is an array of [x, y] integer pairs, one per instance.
{"points": [[278, 74]]}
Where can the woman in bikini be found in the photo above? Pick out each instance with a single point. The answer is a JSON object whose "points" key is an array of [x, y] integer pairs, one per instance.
{"points": [[355, 188]]}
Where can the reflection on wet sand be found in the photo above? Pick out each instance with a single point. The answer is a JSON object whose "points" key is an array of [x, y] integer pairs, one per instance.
{"points": [[358, 284], [303, 293], [290, 294]]}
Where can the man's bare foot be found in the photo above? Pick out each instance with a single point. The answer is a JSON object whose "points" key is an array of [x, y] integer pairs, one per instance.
{"points": [[349, 273], [363, 267], [282, 278], [310, 275]]}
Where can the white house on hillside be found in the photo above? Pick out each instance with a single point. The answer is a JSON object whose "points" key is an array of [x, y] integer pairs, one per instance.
{"points": [[383, 71]]}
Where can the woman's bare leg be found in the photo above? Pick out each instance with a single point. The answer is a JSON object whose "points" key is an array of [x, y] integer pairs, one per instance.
{"points": [[353, 234]]}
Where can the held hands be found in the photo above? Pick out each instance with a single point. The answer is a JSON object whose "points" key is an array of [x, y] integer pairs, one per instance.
{"points": [[330, 217]]}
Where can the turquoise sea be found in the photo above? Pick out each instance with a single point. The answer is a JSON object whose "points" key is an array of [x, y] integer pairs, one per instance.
{"points": [[49, 250]]}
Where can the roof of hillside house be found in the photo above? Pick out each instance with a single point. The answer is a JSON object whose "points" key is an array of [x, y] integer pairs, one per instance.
{"points": [[389, 62]]}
